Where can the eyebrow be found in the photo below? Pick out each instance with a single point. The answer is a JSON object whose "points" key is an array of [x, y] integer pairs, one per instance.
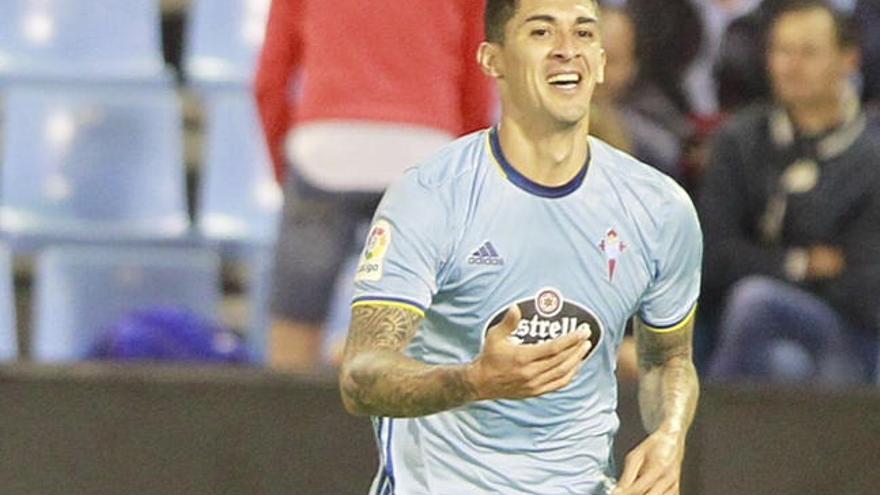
{"points": [[551, 19]]}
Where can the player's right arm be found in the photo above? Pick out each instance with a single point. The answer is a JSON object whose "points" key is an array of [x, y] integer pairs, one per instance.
{"points": [[377, 379]]}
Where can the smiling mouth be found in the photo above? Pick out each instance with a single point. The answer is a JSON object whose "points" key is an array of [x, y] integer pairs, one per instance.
{"points": [[566, 81]]}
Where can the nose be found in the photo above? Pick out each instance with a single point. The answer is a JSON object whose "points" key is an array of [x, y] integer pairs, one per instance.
{"points": [[565, 48]]}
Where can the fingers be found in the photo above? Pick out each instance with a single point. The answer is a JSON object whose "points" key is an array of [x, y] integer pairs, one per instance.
{"points": [[563, 380], [531, 370], [503, 329], [576, 348], [559, 370], [553, 347], [639, 479], [632, 466], [655, 482], [663, 486], [651, 482]]}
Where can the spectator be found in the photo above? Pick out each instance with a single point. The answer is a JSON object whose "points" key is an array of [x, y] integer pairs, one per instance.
{"points": [[791, 212], [741, 68], [381, 89], [867, 15], [742, 78], [700, 82], [669, 37], [650, 125]]}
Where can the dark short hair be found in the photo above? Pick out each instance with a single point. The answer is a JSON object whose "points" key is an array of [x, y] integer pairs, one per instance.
{"points": [[844, 26], [498, 12]]}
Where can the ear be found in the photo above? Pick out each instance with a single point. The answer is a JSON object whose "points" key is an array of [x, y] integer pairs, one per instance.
{"points": [[489, 58], [600, 73], [852, 59]]}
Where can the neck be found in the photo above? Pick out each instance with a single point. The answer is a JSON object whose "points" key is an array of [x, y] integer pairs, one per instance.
{"points": [[814, 118], [550, 157]]}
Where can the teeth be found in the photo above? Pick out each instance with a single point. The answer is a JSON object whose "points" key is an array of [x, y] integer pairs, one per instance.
{"points": [[564, 79]]}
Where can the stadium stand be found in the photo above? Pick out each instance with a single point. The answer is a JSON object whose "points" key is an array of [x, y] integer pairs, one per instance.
{"points": [[92, 162], [80, 39], [82, 290], [223, 41], [239, 199]]}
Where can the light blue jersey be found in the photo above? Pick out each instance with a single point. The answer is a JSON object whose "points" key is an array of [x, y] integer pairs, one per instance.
{"points": [[461, 238]]}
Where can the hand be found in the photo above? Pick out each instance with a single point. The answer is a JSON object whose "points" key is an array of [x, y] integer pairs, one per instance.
{"points": [[654, 467], [505, 370], [825, 262]]}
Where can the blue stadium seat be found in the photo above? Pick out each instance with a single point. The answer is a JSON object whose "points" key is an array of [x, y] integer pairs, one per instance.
{"points": [[224, 38], [80, 39], [81, 290], [239, 198], [8, 336], [92, 163]]}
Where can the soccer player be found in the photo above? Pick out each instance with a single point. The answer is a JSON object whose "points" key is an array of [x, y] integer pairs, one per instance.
{"points": [[498, 277]]}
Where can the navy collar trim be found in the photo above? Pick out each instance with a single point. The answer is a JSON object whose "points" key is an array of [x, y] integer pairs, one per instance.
{"points": [[528, 185]]}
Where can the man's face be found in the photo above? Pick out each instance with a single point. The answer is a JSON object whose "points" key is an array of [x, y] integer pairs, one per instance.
{"points": [[550, 61], [806, 62]]}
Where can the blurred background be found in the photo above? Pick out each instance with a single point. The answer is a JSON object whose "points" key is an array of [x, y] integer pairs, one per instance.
{"points": [[177, 244]]}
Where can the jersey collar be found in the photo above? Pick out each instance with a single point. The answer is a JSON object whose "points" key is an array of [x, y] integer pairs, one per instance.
{"points": [[526, 184]]}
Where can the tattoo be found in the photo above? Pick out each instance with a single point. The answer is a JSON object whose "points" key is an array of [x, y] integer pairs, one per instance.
{"points": [[380, 327], [377, 379], [668, 384]]}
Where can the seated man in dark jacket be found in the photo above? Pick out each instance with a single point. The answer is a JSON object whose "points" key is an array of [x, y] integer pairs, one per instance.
{"points": [[791, 213]]}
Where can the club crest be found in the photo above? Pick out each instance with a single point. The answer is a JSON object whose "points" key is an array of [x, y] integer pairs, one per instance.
{"points": [[613, 247]]}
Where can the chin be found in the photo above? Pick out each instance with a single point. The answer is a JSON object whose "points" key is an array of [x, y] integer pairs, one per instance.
{"points": [[796, 100], [563, 113], [569, 119], [794, 96]]}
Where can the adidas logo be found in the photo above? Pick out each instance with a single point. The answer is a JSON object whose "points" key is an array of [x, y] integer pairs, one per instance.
{"points": [[486, 255]]}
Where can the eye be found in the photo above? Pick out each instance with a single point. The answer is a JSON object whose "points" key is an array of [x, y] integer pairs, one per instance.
{"points": [[540, 32], [585, 34]]}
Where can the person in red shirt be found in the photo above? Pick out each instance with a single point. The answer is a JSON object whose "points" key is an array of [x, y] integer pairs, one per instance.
{"points": [[350, 95]]}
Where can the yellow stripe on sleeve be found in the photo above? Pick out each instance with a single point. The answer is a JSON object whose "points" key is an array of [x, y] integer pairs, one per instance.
{"points": [[394, 304], [676, 327]]}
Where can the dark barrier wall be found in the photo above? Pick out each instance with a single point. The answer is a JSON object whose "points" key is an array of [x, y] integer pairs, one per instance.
{"points": [[788, 442], [94, 429]]}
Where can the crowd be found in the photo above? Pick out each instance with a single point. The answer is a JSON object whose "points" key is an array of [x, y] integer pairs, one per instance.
{"points": [[763, 110]]}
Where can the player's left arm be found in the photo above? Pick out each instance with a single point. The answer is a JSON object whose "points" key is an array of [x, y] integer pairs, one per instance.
{"points": [[668, 395], [668, 384]]}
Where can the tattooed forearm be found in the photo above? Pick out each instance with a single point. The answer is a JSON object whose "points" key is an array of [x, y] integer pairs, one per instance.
{"points": [[377, 379], [668, 384], [380, 327]]}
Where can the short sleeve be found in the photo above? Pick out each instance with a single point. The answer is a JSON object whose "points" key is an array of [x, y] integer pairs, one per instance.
{"points": [[671, 299], [402, 254]]}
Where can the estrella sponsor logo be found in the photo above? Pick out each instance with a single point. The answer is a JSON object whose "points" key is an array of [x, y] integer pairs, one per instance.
{"points": [[547, 316]]}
